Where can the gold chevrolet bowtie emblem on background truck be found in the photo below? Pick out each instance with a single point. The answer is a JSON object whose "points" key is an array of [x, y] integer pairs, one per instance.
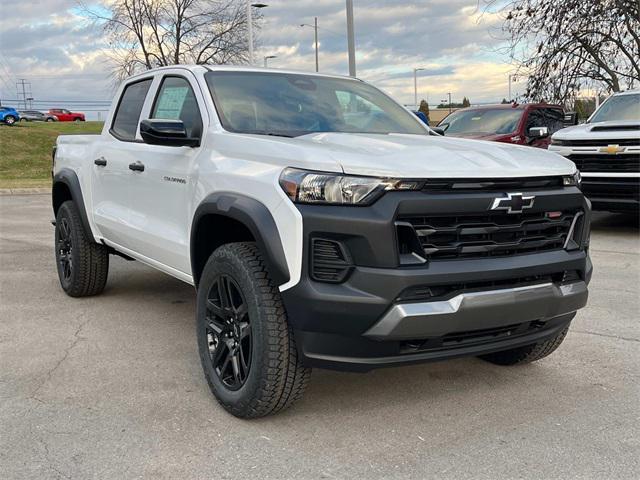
{"points": [[612, 149]]}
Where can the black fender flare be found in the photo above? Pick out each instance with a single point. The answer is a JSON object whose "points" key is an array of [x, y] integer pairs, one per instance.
{"points": [[257, 218], [69, 178]]}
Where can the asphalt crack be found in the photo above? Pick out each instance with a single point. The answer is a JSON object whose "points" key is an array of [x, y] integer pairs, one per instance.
{"points": [[67, 351], [606, 335]]}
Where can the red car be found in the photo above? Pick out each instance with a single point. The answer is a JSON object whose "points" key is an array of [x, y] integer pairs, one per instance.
{"points": [[526, 124], [67, 116]]}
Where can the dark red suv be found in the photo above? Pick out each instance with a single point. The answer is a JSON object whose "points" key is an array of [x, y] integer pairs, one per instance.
{"points": [[526, 124]]}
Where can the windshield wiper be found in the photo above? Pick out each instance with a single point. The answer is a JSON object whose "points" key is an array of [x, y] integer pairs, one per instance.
{"points": [[266, 132]]}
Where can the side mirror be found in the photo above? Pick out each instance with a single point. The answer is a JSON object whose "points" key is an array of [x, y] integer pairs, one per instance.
{"points": [[170, 133], [438, 130], [538, 132], [570, 118]]}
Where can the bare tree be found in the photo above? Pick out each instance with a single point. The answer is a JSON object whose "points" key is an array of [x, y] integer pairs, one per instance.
{"points": [[144, 34], [561, 45]]}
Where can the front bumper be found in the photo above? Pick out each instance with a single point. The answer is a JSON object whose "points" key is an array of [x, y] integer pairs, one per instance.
{"points": [[489, 308], [366, 321]]}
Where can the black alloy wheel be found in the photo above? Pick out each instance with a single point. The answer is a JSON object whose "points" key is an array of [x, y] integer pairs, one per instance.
{"points": [[228, 332], [82, 264], [64, 247]]}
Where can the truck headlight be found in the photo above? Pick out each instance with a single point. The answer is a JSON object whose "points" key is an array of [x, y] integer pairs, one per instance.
{"points": [[572, 180], [304, 186]]}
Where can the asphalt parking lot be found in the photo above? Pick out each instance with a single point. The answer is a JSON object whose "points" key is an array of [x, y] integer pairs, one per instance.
{"points": [[111, 387]]}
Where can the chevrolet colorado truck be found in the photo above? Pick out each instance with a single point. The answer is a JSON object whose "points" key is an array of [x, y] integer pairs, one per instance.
{"points": [[323, 225], [606, 151]]}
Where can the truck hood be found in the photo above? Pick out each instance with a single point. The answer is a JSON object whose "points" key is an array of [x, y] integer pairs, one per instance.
{"points": [[417, 156], [624, 129]]}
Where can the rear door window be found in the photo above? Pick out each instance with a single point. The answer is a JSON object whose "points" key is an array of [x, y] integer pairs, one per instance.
{"points": [[127, 117]]}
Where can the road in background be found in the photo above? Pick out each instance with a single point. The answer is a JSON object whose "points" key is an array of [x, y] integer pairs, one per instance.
{"points": [[111, 387]]}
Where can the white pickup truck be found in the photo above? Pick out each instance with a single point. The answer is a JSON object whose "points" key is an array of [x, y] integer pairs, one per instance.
{"points": [[323, 225], [606, 151]]}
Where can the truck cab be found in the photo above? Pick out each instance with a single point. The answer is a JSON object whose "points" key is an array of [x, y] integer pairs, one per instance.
{"points": [[606, 151]]}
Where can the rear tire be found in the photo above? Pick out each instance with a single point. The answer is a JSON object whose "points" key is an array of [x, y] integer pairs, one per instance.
{"points": [[528, 353], [9, 119], [83, 265], [249, 323]]}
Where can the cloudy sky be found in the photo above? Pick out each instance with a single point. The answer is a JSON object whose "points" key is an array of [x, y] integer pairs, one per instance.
{"points": [[52, 46]]}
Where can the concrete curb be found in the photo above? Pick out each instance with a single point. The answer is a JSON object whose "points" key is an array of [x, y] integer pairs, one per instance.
{"points": [[24, 191]]}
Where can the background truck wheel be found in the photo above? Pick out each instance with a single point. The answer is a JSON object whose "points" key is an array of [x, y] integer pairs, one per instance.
{"points": [[246, 345], [528, 353], [83, 265]]}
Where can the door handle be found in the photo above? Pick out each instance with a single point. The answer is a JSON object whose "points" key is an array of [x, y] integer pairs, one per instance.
{"points": [[136, 167], [101, 162]]}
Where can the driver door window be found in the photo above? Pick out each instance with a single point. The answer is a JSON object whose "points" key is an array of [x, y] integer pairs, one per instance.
{"points": [[176, 101]]}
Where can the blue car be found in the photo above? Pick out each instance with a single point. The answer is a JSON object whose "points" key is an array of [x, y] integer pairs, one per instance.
{"points": [[9, 115]]}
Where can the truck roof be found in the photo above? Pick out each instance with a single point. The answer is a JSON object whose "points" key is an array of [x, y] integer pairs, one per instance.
{"points": [[237, 68], [511, 106]]}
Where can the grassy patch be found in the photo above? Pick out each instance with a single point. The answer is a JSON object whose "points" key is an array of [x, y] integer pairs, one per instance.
{"points": [[25, 150]]}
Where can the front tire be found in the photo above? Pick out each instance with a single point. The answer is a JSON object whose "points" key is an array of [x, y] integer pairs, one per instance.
{"points": [[246, 344], [83, 265], [9, 119], [528, 353]]}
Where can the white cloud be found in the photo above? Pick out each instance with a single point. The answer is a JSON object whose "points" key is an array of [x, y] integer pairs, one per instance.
{"points": [[62, 54]]}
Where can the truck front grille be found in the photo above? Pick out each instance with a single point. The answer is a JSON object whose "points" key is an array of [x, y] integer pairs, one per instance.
{"points": [[485, 235], [606, 163]]}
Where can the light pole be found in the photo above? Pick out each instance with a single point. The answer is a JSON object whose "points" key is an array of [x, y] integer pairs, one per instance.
{"points": [[449, 94], [267, 58], [510, 77], [315, 28], [415, 85], [351, 39], [250, 26]]}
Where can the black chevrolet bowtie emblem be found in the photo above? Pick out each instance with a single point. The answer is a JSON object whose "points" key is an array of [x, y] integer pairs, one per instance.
{"points": [[513, 203]]}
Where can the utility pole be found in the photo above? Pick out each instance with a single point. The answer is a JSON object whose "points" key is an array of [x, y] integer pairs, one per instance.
{"points": [[449, 101], [351, 39], [25, 91]]}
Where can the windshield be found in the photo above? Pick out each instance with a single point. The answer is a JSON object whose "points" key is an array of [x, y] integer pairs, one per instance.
{"points": [[492, 121], [291, 105], [619, 107]]}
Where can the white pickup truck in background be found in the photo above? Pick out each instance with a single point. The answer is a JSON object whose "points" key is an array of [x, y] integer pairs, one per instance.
{"points": [[323, 225], [606, 150]]}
